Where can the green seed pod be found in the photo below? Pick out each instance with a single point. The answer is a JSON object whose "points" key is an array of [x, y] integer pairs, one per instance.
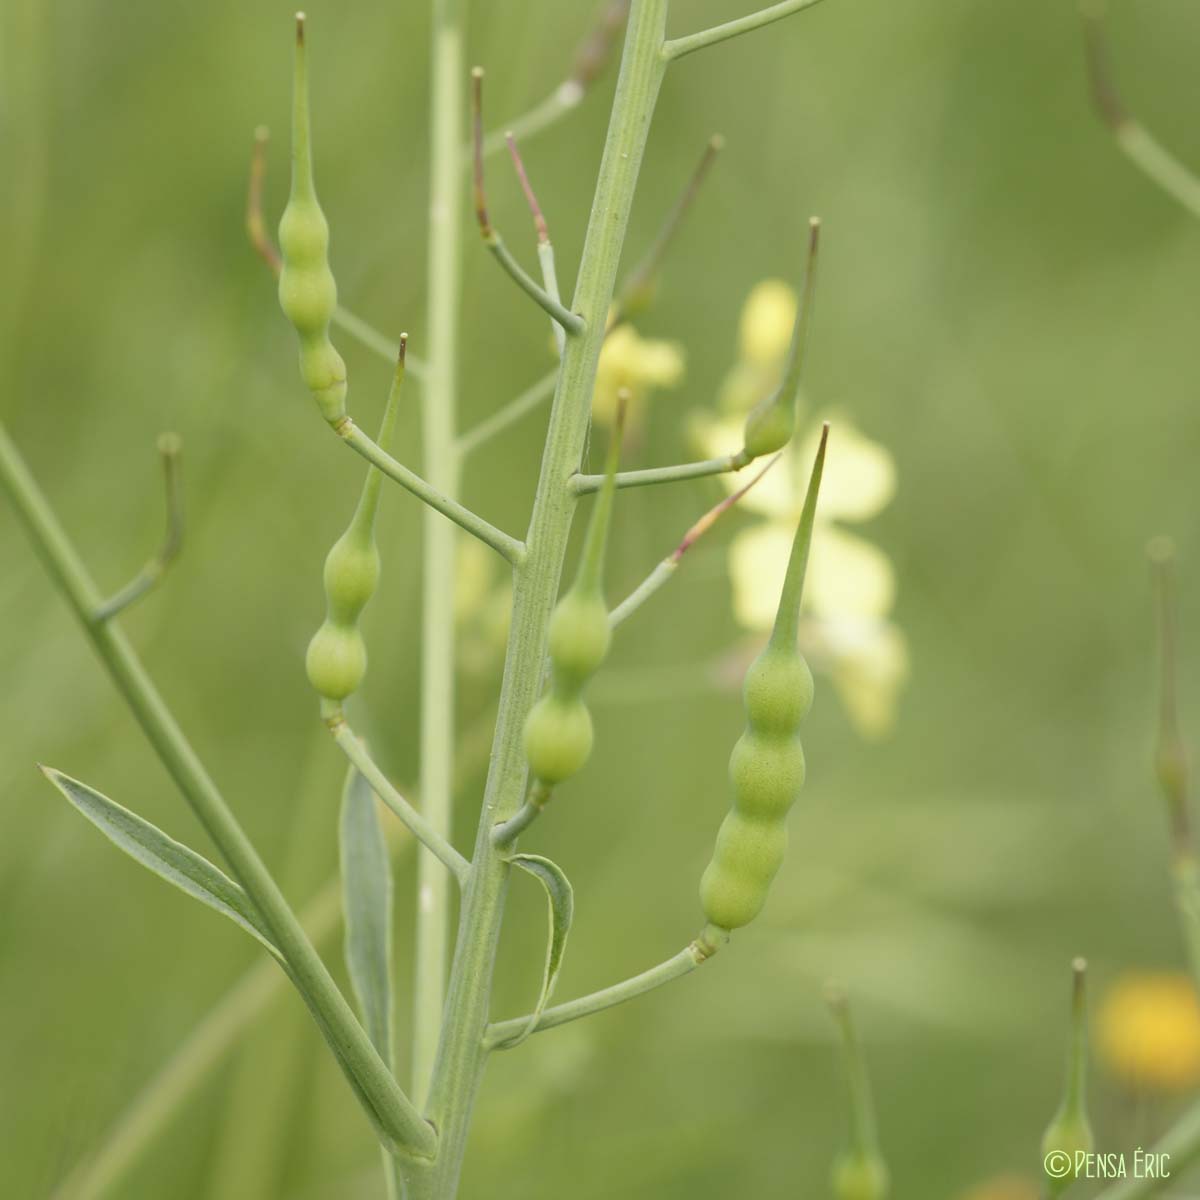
{"points": [[336, 660], [337, 655], [770, 425], [859, 1178], [558, 730], [558, 738], [748, 853], [767, 773], [859, 1172], [579, 637], [1069, 1136], [766, 767], [307, 290]]}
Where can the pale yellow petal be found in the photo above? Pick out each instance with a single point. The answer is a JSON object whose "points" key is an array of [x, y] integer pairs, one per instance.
{"points": [[745, 384], [869, 666], [765, 327], [860, 475], [774, 495], [847, 576], [634, 363], [758, 559]]}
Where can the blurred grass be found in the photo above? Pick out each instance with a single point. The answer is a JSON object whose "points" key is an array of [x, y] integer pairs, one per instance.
{"points": [[1005, 304]]}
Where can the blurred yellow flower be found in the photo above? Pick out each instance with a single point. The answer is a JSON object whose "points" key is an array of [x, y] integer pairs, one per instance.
{"points": [[851, 585], [638, 364], [765, 326], [1004, 1187], [1148, 1029]]}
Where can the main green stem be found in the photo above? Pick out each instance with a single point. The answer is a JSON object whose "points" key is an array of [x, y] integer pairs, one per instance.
{"points": [[447, 86], [461, 1055]]}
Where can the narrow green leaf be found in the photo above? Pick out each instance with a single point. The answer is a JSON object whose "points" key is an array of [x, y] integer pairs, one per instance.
{"points": [[367, 896], [166, 857], [561, 899]]}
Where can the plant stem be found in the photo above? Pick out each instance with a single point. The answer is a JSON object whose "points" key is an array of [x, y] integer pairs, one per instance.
{"points": [[512, 412], [673, 474], [461, 1054], [418, 825], [683, 963], [448, 79], [435, 497], [678, 47], [1181, 1145], [372, 1080]]}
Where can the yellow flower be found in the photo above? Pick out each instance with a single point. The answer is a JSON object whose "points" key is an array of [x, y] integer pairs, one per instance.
{"points": [[851, 585], [1149, 1031], [638, 364], [765, 326], [1005, 1187]]}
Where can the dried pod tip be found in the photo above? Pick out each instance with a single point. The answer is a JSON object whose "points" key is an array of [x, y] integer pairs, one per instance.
{"points": [[300, 19], [170, 445], [714, 514], [1069, 1135], [539, 220]]}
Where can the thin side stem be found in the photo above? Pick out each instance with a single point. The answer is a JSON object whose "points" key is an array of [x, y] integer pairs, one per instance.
{"points": [[1138, 143], [504, 545], [677, 48], [642, 276], [572, 323], [1180, 1146], [583, 484], [443, 288], [683, 963], [590, 61], [531, 398], [390, 1108], [169, 447], [356, 752]]}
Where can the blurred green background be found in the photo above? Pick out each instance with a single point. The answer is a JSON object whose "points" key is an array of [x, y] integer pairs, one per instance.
{"points": [[1005, 303]]}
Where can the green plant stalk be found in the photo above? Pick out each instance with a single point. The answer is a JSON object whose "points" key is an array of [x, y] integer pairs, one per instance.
{"points": [[683, 963], [373, 1082], [676, 473], [448, 82], [461, 1053], [1181, 1143]]}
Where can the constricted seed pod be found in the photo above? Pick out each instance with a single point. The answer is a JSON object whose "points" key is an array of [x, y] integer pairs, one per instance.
{"points": [[558, 738], [766, 767], [336, 660], [307, 290], [558, 730], [770, 425]]}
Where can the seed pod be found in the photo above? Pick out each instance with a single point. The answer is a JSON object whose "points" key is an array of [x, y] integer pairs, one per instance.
{"points": [[307, 291], [770, 425], [766, 767], [558, 730], [1069, 1135], [336, 660], [859, 1172]]}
